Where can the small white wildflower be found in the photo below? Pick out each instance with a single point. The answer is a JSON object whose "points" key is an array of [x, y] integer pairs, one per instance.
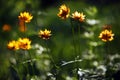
{"points": [[88, 34], [92, 21]]}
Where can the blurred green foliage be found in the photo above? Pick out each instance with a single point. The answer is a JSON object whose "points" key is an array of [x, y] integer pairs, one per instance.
{"points": [[92, 50]]}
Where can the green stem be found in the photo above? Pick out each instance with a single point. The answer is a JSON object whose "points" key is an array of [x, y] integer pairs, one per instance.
{"points": [[78, 38], [107, 49], [16, 67], [49, 54], [107, 52], [75, 49], [73, 34], [24, 59], [31, 63], [56, 67], [78, 48]]}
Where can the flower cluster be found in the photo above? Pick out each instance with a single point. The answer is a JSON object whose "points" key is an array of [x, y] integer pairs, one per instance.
{"points": [[44, 34], [25, 43], [64, 12], [21, 43], [106, 35]]}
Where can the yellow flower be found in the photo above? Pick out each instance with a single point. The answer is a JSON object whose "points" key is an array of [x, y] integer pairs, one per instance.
{"points": [[63, 11], [24, 43], [25, 16], [13, 45], [44, 34], [78, 16], [106, 35]]}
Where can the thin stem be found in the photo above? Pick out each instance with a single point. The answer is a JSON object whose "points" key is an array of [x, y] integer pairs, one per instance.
{"points": [[31, 63], [57, 72], [73, 33], [16, 56], [107, 49], [79, 38], [24, 59], [49, 54], [78, 47], [107, 52], [75, 48], [16, 66]]}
